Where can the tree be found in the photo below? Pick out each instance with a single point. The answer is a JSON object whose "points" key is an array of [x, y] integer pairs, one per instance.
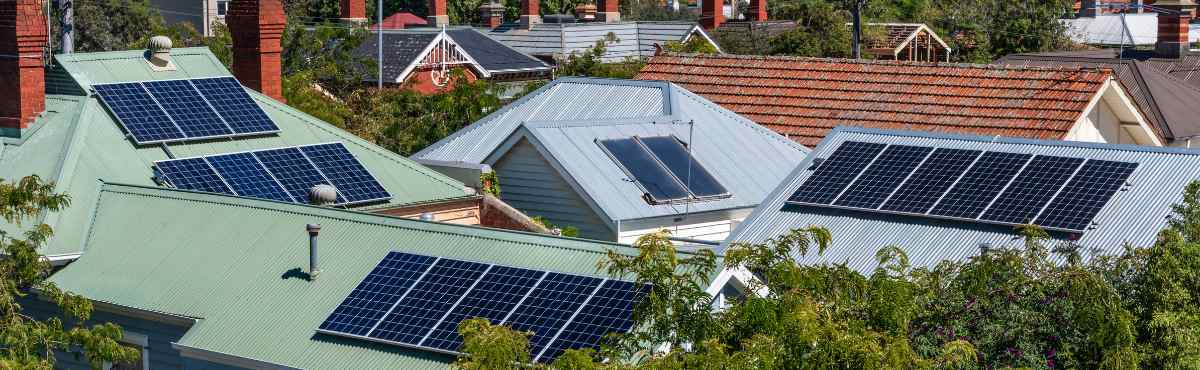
{"points": [[820, 31], [26, 342], [107, 25], [591, 62]]}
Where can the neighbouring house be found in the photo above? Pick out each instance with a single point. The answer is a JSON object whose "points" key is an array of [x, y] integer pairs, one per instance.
{"points": [[177, 118], [804, 98], [402, 20], [611, 158], [201, 281], [426, 59], [886, 41], [941, 196], [1130, 30]]}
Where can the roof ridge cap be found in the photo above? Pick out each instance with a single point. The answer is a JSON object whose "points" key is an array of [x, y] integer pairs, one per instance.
{"points": [[889, 63]]}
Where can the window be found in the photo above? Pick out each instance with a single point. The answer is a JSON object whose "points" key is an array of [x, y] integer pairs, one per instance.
{"points": [[136, 341], [664, 168], [222, 7]]}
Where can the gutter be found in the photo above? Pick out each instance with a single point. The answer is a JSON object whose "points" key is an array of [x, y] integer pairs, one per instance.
{"points": [[227, 359]]}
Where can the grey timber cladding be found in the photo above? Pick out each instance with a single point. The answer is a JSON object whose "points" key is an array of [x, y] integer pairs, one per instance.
{"points": [[634, 39], [532, 185], [1134, 215]]}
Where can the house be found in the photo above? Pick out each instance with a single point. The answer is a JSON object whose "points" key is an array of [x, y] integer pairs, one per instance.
{"points": [[210, 281], [424, 59], [1115, 30], [803, 98], [884, 41], [942, 196], [402, 20], [609, 157], [89, 117], [556, 37]]}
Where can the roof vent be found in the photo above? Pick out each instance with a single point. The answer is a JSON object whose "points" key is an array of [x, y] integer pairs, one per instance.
{"points": [[159, 54], [558, 18], [322, 195], [585, 12]]}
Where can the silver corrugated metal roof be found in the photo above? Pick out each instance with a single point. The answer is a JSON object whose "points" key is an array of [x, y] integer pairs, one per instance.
{"points": [[567, 116], [1134, 215], [634, 39]]}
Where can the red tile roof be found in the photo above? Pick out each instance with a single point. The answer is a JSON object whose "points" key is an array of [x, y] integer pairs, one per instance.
{"points": [[804, 98], [402, 20]]}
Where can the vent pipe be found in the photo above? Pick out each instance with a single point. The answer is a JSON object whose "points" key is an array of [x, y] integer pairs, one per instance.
{"points": [[313, 270]]}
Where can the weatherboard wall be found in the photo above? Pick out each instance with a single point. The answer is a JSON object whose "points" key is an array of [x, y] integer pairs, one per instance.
{"points": [[530, 184], [159, 335]]}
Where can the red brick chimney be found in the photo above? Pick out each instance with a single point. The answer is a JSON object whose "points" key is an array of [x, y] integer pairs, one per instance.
{"points": [[354, 11], [757, 11], [492, 14], [256, 26], [530, 14], [1173, 27], [712, 13], [22, 75], [437, 13], [607, 11]]}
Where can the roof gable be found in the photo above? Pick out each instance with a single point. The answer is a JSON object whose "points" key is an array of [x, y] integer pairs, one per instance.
{"points": [[804, 98], [634, 39], [404, 49]]}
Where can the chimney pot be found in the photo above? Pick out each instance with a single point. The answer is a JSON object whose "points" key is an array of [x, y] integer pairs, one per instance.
{"points": [[22, 52], [256, 27], [492, 14]]}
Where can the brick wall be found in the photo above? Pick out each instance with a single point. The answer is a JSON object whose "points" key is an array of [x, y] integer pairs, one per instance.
{"points": [[22, 75], [256, 26]]}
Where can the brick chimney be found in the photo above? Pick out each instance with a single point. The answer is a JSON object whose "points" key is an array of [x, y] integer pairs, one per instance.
{"points": [[530, 14], [22, 74], [712, 13], [757, 11], [1173, 27], [1088, 9], [438, 16], [256, 26], [492, 14], [607, 11], [354, 11]]}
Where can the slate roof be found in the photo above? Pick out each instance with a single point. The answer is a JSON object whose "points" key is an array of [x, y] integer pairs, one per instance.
{"points": [[1134, 215], [750, 37], [78, 142], [402, 48], [1167, 102], [565, 118], [803, 98], [556, 40], [224, 261]]}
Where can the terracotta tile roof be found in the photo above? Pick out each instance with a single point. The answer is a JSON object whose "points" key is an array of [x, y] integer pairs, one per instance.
{"points": [[402, 20], [804, 98]]}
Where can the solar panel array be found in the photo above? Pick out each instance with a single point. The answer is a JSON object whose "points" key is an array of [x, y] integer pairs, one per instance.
{"points": [[664, 169], [418, 301], [1056, 193], [180, 110], [283, 174]]}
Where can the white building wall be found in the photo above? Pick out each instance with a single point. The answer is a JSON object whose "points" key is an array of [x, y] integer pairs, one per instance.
{"points": [[1101, 125], [711, 231]]}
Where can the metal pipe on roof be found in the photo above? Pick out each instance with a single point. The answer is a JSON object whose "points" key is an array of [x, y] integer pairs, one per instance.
{"points": [[313, 269]]}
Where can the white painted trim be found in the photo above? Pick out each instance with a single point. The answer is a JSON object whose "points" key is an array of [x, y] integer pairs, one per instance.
{"points": [[740, 276], [697, 29], [134, 339], [227, 359], [920, 27], [429, 48], [1141, 122]]}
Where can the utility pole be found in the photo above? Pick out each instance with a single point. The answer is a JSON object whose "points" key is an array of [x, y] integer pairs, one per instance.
{"points": [[65, 8], [379, 29], [857, 28]]}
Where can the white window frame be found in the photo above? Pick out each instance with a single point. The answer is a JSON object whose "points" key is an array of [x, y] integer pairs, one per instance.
{"points": [[135, 339]]}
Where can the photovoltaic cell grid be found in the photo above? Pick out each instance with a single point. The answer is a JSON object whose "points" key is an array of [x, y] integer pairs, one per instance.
{"points": [[284, 174], [179, 110], [418, 301], [664, 168], [1060, 193]]}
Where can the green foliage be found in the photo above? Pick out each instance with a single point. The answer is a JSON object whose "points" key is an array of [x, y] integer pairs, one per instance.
{"points": [[590, 62], [820, 30], [695, 45], [492, 347], [568, 231], [107, 25], [490, 182], [326, 54], [1029, 305], [25, 342]]}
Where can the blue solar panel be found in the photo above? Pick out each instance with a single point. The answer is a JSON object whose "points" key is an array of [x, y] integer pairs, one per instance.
{"points": [[1082, 198], [377, 293], [429, 300], [931, 180], [192, 174], [879, 180], [836, 172], [494, 297], [976, 189], [550, 305], [187, 108], [235, 105], [610, 310], [1029, 192], [247, 177], [138, 113], [657, 181], [294, 171], [349, 176], [672, 153]]}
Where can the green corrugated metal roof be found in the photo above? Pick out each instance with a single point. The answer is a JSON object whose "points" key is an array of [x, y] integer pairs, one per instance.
{"points": [[225, 259], [78, 142]]}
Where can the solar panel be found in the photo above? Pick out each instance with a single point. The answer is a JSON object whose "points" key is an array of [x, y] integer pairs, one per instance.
{"points": [[879, 180], [187, 108], [1082, 198], [294, 171], [644, 168], [836, 172], [247, 177], [931, 180], [377, 293], [193, 174], [672, 153], [412, 301], [1030, 190], [427, 301], [232, 102], [352, 180], [976, 189], [143, 118]]}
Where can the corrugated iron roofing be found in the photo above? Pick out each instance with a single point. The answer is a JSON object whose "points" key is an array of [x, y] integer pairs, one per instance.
{"points": [[804, 98], [1186, 67], [1133, 216], [634, 39], [225, 260]]}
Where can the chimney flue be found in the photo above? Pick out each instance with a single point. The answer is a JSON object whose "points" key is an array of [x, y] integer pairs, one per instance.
{"points": [[1173, 24], [530, 13], [492, 14], [438, 15], [256, 27], [712, 14], [23, 83], [757, 11], [313, 269], [354, 11]]}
